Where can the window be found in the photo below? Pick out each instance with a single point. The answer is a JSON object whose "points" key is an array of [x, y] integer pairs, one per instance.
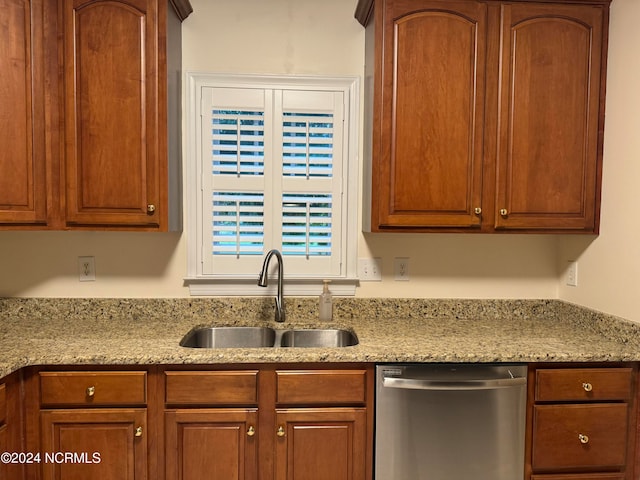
{"points": [[272, 163]]}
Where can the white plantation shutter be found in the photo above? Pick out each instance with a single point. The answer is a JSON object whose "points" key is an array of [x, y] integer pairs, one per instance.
{"points": [[310, 131], [234, 134], [272, 166], [272, 177]]}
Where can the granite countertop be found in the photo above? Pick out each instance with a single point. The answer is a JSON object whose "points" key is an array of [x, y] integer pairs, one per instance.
{"points": [[147, 331]]}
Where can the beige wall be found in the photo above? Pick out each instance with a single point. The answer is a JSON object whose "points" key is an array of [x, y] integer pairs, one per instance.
{"points": [[312, 38], [609, 265]]}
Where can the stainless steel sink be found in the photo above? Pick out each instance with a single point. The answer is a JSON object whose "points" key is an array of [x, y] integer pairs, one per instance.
{"points": [[229, 337], [257, 337], [330, 337]]}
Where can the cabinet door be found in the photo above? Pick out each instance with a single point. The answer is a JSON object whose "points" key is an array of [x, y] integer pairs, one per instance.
{"points": [[109, 444], [22, 153], [549, 158], [429, 110], [321, 444], [211, 443], [112, 125]]}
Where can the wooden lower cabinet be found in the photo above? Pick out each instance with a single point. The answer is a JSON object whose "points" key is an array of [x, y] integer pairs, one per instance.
{"points": [[269, 423], [582, 422], [12, 426], [105, 444], [211, 443], [320, 444]]}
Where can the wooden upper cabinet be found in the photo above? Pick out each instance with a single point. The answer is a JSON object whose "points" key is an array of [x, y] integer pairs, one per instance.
{"points": [[484, 116], [23, 194], [549, 163], [429, 116], [114, 163], [90, 114]]}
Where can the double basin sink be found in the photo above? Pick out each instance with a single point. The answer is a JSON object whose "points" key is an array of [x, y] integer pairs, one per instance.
{"points": [[261, 337]]}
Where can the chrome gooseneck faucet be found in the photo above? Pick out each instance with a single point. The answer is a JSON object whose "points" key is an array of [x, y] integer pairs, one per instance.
{"points": [[263, 279]]}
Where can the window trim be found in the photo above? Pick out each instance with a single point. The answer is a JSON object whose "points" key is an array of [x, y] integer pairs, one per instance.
{"points": [[224, 284]]}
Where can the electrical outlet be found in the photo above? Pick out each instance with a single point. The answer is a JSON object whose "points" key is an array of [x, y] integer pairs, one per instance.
{"points": [[401, 269], [370, 269], [572, 274], [86, 269]]}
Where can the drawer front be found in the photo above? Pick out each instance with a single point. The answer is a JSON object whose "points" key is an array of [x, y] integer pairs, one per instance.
{"points": [[3, 404], [93, 388], [583, 384], [212, 388], [578, 436], [581, 476], [321, 386]]}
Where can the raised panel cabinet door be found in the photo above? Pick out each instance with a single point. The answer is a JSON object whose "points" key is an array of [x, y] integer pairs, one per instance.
{"points": [[549, 158], [112, 154], [428, 114], [106, 444], [216, 444], [22, 153], [12, 432], [320, 444]]}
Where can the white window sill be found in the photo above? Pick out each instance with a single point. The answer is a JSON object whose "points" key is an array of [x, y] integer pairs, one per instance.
{"points": [[243, 286]]}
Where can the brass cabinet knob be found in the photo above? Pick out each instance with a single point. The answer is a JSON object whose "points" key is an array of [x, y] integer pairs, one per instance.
{"points": [[280, 431], [584, 439], [504, 212], [151, 208], [477, 210], [138, 432], [251, 432], [91, 391], [587, 386]]}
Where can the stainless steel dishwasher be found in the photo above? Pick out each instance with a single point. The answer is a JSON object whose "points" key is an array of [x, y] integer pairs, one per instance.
{"points": [[450, 421]]}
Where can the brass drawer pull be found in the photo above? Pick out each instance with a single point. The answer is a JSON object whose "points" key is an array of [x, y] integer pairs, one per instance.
{"points": [[91, 391], [251, 432], [587, 386], [503, 212], [138, 432], [584, 439], [280, 431]]}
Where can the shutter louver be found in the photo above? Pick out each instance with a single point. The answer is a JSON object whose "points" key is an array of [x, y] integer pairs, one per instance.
{"points": [[307, 149], [238, 223], [238, 142], [306, 224]]}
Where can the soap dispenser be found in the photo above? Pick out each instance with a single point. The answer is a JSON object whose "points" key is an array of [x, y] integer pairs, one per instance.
{"points": [[325, 305]]}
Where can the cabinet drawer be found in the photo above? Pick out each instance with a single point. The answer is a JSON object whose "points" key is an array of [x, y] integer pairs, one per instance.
{"points": [[577, 436], [581, 476], [212, 388], [583, 384], [93, 388], [321, 386], [3, 404]]}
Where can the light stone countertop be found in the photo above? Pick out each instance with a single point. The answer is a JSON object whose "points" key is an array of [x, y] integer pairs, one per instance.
{"points": [[147, 331]]}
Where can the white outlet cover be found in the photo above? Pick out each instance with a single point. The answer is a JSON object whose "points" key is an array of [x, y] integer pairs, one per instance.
{"points": [[86, 269]]}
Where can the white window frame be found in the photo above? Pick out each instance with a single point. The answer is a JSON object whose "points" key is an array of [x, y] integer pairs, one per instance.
{"points": [[200, 283]]}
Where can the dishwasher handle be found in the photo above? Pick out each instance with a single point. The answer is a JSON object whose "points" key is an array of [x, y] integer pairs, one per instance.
{"points": [[425, 384]]}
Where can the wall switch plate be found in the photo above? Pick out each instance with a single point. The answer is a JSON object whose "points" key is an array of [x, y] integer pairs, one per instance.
{"points": [[370, 269], [401, 269], [87, 269], [572, 274]]}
